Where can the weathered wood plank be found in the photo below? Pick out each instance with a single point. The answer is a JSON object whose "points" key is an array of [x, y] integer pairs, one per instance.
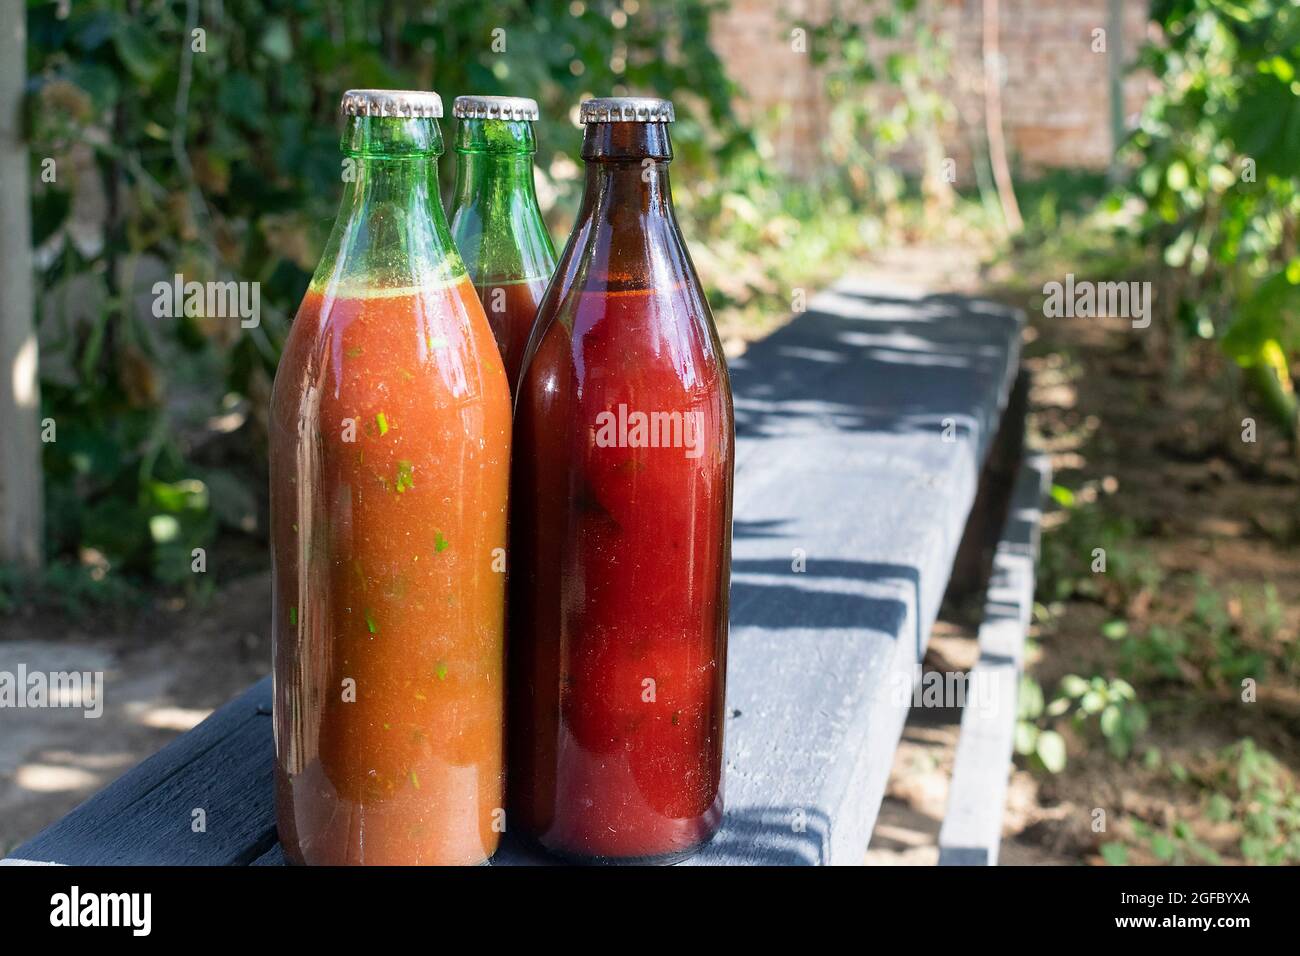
{"points": [[222, 767], [861, 428], [972, 827]]}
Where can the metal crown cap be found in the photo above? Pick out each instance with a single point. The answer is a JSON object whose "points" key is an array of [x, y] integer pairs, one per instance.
{"points": [[495, 108], [626, 109], [399, 103]]}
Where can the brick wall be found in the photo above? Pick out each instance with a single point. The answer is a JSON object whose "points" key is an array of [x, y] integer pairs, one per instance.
{"points": [[1056, 96]]}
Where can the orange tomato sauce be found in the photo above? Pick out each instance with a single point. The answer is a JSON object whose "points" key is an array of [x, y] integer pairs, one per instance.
{"points": [[390, 434]]}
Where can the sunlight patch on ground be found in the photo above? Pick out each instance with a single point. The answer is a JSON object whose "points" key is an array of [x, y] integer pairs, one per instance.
{"points": [[110, 761], [167, 717], [45, 778]]}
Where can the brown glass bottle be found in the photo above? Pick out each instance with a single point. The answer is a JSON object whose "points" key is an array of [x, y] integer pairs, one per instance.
{"points": [[621, 524]]}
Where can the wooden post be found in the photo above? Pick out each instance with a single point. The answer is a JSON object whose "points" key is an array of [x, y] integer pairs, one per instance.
{"points": [[1115, 75], [21, 507], [993, 119]]}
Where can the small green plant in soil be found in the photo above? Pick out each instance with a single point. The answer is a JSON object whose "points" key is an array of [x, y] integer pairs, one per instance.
{"points": [[1241, 787], [1092, 555]]}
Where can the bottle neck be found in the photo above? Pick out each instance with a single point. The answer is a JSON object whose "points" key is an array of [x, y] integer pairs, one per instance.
{"points": [[496, 220], [494, 157], [627, 169], [485, 178], [391, 230], [626, 237]]}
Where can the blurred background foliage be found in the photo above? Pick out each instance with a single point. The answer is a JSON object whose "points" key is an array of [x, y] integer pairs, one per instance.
{"points": [[157, 151], [1217, 183], [214, 155]]}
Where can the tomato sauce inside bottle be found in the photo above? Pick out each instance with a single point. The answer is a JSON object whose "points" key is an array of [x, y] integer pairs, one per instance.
{"points": [[511, 307], [620, 531], [390, 443]]}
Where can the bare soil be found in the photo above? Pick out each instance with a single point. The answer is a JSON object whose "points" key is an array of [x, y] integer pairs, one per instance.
{"points": [[165, 668], [1208, 521]]}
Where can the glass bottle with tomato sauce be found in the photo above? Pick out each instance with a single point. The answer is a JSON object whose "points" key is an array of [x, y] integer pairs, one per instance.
{"points": [[621, 524], [389, 446], [495, 218]]}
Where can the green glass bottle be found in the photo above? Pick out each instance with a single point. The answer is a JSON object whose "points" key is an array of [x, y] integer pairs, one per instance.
{"points": [[389, 454], [495, 220]]}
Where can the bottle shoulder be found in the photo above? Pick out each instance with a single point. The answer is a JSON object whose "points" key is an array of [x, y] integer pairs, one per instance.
{"points": [[432, 340], [503, 243]]}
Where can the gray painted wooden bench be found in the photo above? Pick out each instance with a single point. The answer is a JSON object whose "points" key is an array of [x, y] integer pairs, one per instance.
{"points": [[862, 430]]}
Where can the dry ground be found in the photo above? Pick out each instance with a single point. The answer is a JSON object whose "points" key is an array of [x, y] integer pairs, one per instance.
{"points": [[1209, 529]]}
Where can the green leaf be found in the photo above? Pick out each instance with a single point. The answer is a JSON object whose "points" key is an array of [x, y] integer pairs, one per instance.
{"points": [[1177, 176], [1029, 703], [1110, 720], [1219, 809], [1136, 720], [277, 42], [139, 52], [1114, 853], [1163, 847], [234, 502], [189, 494], [1063, 496], [1072, 685], [50, 208], [1115, 630], [1026, 738], [1051, 751]]}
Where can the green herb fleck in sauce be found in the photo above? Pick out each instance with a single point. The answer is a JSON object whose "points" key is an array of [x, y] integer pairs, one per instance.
{"points": [[440, 544], [382, 421], [405, 476], [293, 616], [441, 671], [370, 622]]}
